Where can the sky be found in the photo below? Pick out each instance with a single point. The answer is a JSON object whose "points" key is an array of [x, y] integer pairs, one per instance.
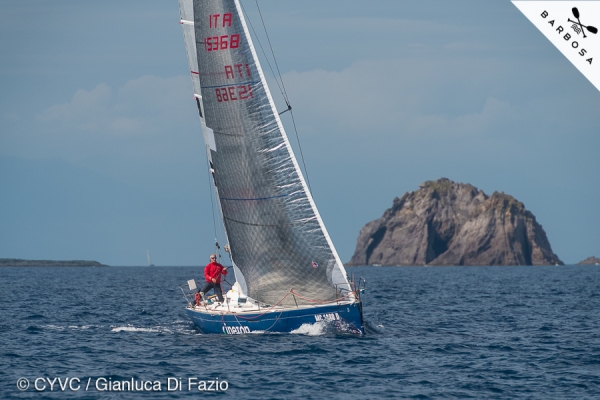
{"points": [[102, 157]]}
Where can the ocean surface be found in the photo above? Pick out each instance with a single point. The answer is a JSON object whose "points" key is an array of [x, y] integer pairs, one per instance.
{"points": [[435, 332]]}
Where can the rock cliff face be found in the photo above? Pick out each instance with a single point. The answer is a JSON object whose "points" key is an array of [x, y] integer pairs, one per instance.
{"points": [[449, 223]]}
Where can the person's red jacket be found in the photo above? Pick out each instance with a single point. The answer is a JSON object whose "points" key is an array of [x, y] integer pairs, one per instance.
{"points": [[214, 270]]}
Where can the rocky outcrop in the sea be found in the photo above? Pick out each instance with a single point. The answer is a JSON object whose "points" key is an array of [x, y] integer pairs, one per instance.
{"points": [[590, 261], [449, 223]]}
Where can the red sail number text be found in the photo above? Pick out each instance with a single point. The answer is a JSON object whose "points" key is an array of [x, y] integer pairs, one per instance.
{"points": [[232, 93], [224, 42]]}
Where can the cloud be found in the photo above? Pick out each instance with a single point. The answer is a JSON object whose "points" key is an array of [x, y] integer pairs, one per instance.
{"points": [[125, 125], [468, 46], [404, 96], [86, 111], [138, 133], [399, 27], [145, 105], [494, 111]]}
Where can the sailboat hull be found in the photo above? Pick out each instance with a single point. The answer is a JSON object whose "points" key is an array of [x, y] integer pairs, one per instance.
{"points": [[345, 317]]}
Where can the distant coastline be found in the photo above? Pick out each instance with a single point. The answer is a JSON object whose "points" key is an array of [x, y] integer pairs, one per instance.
{"points": [[590, 261], [15, 262]]}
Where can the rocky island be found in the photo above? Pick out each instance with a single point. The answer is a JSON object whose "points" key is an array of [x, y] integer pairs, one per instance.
{"points": [[15, 262], [590, 261], [449, 223]]}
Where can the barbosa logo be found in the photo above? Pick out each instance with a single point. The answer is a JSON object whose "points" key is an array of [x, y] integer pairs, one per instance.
{"points": [[578, 28], [571, 27]]}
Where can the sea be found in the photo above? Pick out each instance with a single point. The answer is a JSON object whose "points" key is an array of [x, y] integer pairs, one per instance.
{"points": [[431, 333]]}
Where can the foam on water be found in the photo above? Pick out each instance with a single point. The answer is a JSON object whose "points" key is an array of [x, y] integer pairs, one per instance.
{"points": [[81, 327], [315, 329], [136, 329], [53, 327], [371, 327]]}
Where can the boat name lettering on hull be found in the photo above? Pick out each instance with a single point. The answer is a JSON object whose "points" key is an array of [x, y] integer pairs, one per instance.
{"points": [[327, 317], [236, 330]]}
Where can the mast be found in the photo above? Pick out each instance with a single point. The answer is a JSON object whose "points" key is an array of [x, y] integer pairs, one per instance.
{"points": [[186, 10]]}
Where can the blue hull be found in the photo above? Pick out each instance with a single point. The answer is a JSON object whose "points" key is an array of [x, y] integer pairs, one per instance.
{"points": [[348, 317]]}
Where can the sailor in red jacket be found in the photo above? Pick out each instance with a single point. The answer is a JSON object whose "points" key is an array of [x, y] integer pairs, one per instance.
{"points": [[212, 274]]}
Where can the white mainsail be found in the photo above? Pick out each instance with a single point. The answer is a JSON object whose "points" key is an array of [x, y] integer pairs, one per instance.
{"points": [[276, 236], [149, 260]]}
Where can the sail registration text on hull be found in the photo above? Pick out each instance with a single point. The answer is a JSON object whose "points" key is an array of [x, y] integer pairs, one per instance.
{"points": [[287, 271]]}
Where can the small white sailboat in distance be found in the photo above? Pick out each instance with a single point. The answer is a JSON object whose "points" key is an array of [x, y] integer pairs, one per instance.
{"points": [[149, 261]]}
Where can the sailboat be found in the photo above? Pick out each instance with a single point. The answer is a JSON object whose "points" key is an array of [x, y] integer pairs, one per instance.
{"points": [[287, 271], [149, 261]]}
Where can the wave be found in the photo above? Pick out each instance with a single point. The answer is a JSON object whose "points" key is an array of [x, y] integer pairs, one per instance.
{"points": [[326, 327], [135, 329], [316, 329], [372, 327]]}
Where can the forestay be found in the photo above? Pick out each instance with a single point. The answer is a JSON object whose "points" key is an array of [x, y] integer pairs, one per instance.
{"points": [[276, 236]]}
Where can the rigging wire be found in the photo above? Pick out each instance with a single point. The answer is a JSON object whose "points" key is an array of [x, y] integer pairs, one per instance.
{"points": [[281, 86], [272, 52], [263, 51], [300, 147], [222, 229]]}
